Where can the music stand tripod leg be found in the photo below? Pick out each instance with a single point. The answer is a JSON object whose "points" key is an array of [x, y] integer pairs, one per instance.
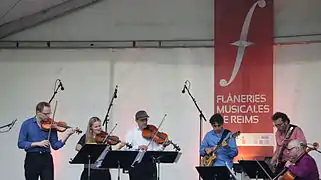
{"points": [[156, 161], [214, 178], [158, 169], [257, 175], [118, 170], [89, 167]]}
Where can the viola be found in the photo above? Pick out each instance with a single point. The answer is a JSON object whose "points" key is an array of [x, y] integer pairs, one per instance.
{"points": [[104, 137], [59, 126], [288, 175], [151, 132]]}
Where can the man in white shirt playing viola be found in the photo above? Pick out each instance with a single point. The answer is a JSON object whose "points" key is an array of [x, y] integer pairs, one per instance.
{"points": [[143, 170]]}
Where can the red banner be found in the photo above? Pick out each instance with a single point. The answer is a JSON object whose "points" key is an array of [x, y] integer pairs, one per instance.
{"points": [[243, 73]]}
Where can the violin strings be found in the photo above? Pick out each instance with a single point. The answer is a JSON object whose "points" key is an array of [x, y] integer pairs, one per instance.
{"points": [[108, 134], [154, 135]]}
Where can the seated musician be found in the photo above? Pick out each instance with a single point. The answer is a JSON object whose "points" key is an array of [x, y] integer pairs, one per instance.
{"points": [[284, 128], [229, 149], [305, 168], [147, 170], [94, 128]]}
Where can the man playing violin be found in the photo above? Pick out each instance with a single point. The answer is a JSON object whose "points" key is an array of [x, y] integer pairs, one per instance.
{"points": [[227, 152], [34, 140], [284, 134], [143, 171], [93, 129], [305, 168]]}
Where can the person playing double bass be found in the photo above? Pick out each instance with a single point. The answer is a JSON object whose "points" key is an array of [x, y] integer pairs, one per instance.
{"points": [[284, 134], [143, 171], [305, 168], [34, 140], [94, 129]]}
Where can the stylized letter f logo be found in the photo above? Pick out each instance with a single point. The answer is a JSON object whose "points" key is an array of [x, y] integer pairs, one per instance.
{"points": [[242, 43]]}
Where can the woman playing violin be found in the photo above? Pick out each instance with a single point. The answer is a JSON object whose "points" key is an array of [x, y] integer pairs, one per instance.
{"points": [[37, 141], [93, 130]]}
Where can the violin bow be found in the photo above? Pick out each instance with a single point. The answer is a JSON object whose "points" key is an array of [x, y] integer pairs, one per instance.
{"points": [[266, 173], [109, 134], [53, 117], [160, 124]]}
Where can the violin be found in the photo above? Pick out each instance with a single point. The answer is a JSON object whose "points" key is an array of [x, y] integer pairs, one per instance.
{"points": [[288, 175], [160, 137], [104, 137], [59, 126]]}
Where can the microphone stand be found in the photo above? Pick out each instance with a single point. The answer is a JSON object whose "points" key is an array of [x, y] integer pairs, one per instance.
{"points": [[10, 125], [106, 120], [201, 116], [317, 150], [55, 90]]}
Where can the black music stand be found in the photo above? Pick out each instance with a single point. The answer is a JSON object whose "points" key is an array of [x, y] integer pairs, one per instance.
{"points": [[213, 172], [255, 171], [124, 159], [159, 157], [88, 154], [119, 160]]}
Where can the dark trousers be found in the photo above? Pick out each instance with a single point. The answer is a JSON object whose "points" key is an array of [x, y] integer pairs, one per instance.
{"points": [[95, 174], [143, 171], [39, 165]]}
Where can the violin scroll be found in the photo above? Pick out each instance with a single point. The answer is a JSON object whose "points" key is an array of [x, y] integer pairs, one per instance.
{"points": [[315, 145]]}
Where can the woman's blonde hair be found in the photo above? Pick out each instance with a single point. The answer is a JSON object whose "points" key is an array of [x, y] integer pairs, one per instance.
{"points": [[89, 132]]}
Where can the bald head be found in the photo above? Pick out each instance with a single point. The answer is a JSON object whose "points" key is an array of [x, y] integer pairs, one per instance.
{"points": [[294, 143], [295, 149]]}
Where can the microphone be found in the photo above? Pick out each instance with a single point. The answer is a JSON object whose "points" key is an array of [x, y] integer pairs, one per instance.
{"points": [[183, 91], [315, 145], [61, 86], [115, 92]]}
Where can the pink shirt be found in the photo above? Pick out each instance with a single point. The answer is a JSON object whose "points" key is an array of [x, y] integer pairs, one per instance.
{"points": [[297, 134]]}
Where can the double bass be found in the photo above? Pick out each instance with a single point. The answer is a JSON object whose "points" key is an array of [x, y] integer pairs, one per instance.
{"points": [[287, 174]]}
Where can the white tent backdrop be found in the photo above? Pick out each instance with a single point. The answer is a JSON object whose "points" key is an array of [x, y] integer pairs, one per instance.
{"points": [[150, 79]]}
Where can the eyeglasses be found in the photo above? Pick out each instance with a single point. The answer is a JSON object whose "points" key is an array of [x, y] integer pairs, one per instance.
{"points": [[279, 125], [46, 114], [217, 125], [289, 149]]}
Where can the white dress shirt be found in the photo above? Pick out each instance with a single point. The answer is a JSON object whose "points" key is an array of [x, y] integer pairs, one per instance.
{"points": [[136, 139]]}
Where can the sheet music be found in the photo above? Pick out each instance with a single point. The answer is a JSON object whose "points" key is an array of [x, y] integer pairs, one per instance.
{"points": [[139, 157], [178, 157], [231, 172], [102, 156]]}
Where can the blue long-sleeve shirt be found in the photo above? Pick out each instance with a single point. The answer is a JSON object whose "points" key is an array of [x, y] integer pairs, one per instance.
{"points": [[31, 132], [224, 154]]}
